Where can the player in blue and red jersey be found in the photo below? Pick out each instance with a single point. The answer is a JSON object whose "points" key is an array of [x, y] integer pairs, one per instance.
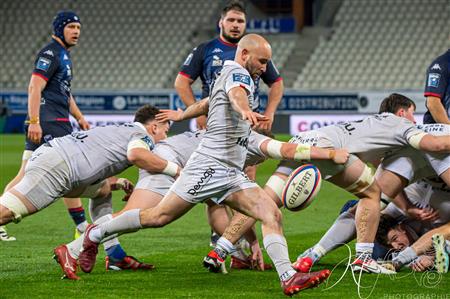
{"points": [[207, 59], [50, 100], [437, 90]]}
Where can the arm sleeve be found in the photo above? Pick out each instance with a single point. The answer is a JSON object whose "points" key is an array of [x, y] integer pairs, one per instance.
{"points": [[271, 75], [437, 78], [239, 77], [193, 65], [46, 64]]}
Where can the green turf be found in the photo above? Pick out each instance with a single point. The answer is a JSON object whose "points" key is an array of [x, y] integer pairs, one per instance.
{"points": [[27, 270]]}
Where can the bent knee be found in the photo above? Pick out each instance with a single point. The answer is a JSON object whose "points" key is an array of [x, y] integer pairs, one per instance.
{"points": [[12, 208]]}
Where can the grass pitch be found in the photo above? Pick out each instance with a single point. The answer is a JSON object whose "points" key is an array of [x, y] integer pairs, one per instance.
{"points": [[27, 269]]}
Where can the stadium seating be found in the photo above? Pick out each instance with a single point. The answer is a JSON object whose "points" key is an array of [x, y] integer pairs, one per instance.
{"points": [[379, 45], [124, 44]]}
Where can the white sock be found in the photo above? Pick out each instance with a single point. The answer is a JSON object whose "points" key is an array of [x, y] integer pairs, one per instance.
{"points": [[276, 248], [225, 245], [75, 246], [405, 256], [82, 226], [129, 221], [366, 248]]}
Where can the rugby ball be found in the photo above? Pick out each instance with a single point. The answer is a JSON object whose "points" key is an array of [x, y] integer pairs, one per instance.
{"points": [[302, 186]]}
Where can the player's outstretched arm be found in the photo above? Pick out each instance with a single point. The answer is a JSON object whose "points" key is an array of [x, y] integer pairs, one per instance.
{"points": [[301, 152], [151, 162], [37, 85], [239, 102], [431, 143], [199, 108]]}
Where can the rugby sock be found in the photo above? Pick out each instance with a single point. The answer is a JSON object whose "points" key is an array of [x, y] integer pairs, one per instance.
{"points": [[82, 226], [342, 231], [99, 207], [78, 215], [115, 252], [405, 256], [276, 248], [129, 221], [364, 249]]}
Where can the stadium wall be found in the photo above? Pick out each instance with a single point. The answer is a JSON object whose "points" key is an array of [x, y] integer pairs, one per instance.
{"points": [[298, 111]]}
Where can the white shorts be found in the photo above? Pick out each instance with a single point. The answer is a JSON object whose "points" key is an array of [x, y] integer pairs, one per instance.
{"points": [[158, 183], [410, 164], [327, 167], [439, 162], [203, 178], [47, 177]]}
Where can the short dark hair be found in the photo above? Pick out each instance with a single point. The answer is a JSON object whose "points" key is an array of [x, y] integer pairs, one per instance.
{"points": [[386, 224], [394, 102], [146, 113], [233, 5]]}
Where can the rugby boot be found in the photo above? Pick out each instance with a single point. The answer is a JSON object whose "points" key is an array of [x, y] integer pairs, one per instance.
{"points": [[89, 253], [213, 262], [66, 261], [301, 281], [127, 263]]}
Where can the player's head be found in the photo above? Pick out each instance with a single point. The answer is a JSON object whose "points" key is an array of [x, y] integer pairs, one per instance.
{"points": [[66, 27], [253, 53], [146, 116], [392, 234], [232, 22], [399, 105]]}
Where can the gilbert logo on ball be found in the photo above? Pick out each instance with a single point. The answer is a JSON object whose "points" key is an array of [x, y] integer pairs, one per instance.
{"points": [[301, 187]]}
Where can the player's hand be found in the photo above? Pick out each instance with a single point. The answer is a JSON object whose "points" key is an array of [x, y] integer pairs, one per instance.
{"points": [[201, 122], [34, 133], [172, 115], [340, 156], [265, 126], [125, 185], [425, 214], [256, 258], [253, 118], [422, 263], [84, 125]]}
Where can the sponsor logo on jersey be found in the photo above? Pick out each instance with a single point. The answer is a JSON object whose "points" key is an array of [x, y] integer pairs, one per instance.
{"points": [[433, 79], [436, 66], [43, 64], [217, 50], [149, 142], [217, 61], [242, 78], [188, 59], [204, 179], [49, 53]]}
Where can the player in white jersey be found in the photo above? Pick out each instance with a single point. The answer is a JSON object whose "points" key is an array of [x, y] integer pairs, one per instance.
{"points": [[151, 188], [368, 140], [77, 164], [215, 170], [428, 202]]}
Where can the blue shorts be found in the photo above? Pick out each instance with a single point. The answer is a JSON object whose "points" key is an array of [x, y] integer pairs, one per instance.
{"points": [[50, 130]]}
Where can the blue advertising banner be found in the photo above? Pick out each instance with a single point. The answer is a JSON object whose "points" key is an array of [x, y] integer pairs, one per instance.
{"points": [[271, 25]]}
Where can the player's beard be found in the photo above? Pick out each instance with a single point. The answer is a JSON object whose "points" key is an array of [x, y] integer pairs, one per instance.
{"points": [[230, 39]]}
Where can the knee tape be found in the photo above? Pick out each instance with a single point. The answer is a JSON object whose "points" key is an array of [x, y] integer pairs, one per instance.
{"points": [[363, 182], [15, 205], [276, 184]]}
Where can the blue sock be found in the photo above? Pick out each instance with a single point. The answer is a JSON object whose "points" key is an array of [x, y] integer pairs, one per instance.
{"points": [[77, 215], [116, 253]]}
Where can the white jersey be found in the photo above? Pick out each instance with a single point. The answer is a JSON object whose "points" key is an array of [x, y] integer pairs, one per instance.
{"points": [[414, 164], [226, 138], [372, 137], [99, 153], [179, 148]]}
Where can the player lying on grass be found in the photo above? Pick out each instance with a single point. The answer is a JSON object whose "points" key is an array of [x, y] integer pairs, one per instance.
{"points": [[215, 169], [151, 188], [77, 164], [396, 231], [367, 140]]}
